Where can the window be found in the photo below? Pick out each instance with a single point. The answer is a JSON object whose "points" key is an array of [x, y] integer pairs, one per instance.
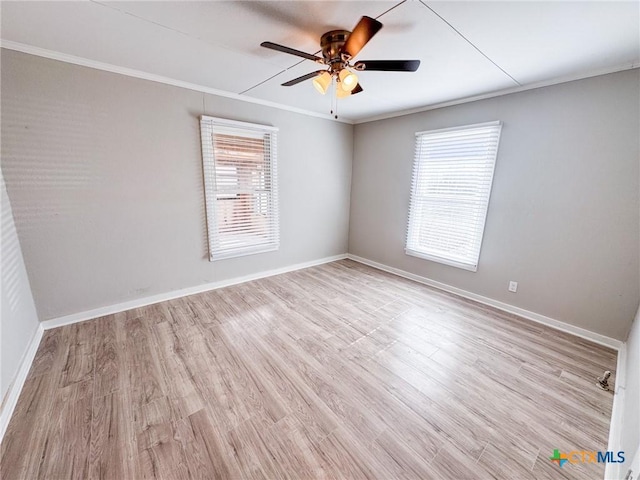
{"points": [[452, 175], [240, 187]]}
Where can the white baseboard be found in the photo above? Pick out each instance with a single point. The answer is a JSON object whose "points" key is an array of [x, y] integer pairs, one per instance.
{"points": [[536, 317], [12, 395], [613, 471], [143, 302]]}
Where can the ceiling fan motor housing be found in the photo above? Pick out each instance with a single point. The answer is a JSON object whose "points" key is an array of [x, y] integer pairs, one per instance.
{"points": [[332, 43]]}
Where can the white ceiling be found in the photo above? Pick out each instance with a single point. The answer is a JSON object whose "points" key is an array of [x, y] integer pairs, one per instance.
{"points": [[466, 48]]}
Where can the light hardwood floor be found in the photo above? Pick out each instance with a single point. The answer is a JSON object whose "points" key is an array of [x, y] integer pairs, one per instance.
{"points": [[336, 371]]}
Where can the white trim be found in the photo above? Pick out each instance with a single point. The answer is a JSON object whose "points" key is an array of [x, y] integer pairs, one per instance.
{"points": [[612, 470], [12, 395], [422, 164], [209, 127], [505, 307], [437, 131], [444, 261], [634, 460], [224, 122], [161, 297], [130, 72], [501, 92]]}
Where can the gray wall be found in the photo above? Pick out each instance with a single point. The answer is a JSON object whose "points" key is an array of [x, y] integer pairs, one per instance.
{"points": [[19, 320], [563, 216], [104, 173]]}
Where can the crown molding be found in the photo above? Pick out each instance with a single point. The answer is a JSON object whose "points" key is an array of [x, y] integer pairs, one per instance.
{"points": [[501, 92], [130, 72]]}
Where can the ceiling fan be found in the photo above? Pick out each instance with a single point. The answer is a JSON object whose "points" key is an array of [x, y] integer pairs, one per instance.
{"points": [[339, 47]]}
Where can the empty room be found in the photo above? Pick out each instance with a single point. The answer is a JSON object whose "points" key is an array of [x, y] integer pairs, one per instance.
{"points": [[320, 240]]}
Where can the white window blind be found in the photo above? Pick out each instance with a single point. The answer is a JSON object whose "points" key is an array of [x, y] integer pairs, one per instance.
{"points": [[241, 192], [452, 176]]}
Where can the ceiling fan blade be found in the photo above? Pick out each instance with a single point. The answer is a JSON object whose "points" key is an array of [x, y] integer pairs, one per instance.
{"points": [[291, 51], [357, 89], [364, 31], [388, 65], [308, 76]]}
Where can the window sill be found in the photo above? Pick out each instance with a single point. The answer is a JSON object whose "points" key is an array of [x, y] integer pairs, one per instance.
{"points": [[214, 257], [444, 261]]}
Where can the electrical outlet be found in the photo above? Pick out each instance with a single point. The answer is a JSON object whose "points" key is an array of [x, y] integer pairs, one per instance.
{"points": [[513, 286]]}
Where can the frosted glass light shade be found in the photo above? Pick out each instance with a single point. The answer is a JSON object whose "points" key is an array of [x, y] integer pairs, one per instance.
{"points": [[341, 93], [322, 82], [348, 80]]}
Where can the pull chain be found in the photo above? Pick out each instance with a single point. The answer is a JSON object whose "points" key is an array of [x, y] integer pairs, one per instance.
{"points": [[334, 98]]}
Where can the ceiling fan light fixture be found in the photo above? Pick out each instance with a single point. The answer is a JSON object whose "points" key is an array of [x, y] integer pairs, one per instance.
{"points": [[341, 93], [348, 80], [322, 82], [339, 48]]}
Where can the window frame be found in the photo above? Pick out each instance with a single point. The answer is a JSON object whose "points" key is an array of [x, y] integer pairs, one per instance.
{"points": [[208, 126], [417, 163]]}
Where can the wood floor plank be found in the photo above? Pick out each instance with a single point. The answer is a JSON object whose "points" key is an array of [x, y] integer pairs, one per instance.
{"points": [[165, 460], [291, 391], [111, 427], [350, 458], [28, 429], [337, 371], [145, 380], [343, 405], [80, 353], [251, 452], [521, 459], [402, 457], [68, 439], [205, 453], [452, 463], [109, 358], [49, 349], [182, 394]]}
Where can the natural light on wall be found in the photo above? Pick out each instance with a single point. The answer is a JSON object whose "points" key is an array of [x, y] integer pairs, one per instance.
{"points": [[240, 187], [452, 175]]}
